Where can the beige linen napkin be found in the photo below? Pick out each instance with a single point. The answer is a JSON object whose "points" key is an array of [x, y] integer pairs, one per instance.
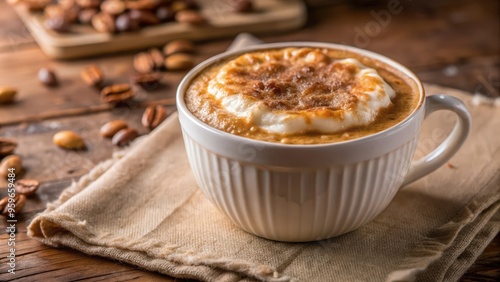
{"points": [[144, 208]]}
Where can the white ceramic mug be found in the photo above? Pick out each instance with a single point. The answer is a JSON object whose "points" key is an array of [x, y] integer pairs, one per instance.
{"points": [[298, 193]]}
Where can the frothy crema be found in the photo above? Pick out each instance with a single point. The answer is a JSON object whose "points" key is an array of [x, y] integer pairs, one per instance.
{"points": [[300, 90]]}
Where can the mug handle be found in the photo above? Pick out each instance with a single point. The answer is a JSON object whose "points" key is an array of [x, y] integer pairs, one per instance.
{"points": [[450, 145]]}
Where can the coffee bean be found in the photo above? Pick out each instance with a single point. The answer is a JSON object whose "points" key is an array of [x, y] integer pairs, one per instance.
{"points": [[36, 5], [92, 75], [19, 201], [179, 61], [241, 6], [113, 7], [147, 81], [103, 22], [179, 46], [85, 16], [109, 129], [143, 4], [27, 187], [47, 77], [11, 162], [190, 17], [125, 23], [117, 93], [7, 146], [89, 3], [57, 23], [68, 139], [124, 137], [157, 57], [143, 62], [7, 94], [153, 116], [165, 14], [144, 17], [54, 10]]}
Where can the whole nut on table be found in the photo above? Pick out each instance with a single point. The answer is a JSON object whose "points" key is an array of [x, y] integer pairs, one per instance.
{"points": [[7, 146], [92, 75], [143, 62], [124, 137], [47, 77], [179, 61], [153, 116], [69, 140], [7, 210], [109, 129], [147, 81], [11, 162], [117, 93], [7, 94], [27, 187], [157, 58], [179, 46]]}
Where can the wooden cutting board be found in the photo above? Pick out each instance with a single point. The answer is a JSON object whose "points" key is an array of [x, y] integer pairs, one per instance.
{"points": [[82, 41]]}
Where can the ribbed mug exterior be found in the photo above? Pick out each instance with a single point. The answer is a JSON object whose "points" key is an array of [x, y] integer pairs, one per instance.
{"points": [[299, 204]]}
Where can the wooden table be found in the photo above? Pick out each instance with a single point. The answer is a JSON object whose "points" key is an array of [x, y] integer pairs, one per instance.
{"points": [[454, 43]]}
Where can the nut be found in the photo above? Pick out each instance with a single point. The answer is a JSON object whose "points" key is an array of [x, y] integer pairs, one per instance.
{"points": [[157, 57], [147, 81], [179, 62], [27, 187], [179, 46], [7, 94], [143, 4], [54, 10], [103, 22], [68, 139], [109, 129], [57, 23], [124, 136], [47, 77], [125, 23], [92, 75], [190, 17], [85, 16], [165, 14], [153, 116], [143, 62], [11, 162], [113, 7], [8, 207], [7, 146], [117, 93], [144, 17]]}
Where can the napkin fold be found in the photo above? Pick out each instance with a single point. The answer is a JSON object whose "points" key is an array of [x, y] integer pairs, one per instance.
{"points": [[143, 207]]}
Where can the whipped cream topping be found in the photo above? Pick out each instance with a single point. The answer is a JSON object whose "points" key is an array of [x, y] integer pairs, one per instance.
{"points": [[300, 90]]}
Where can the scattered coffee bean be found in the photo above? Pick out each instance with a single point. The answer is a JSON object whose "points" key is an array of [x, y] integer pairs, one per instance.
{"points": [[241, 6], [19, 200], [68, 139], [190, 17], [27, 187], [103, 22], [109, 129], [179, 46], [148, 81], [144, 17], [143, 62], [179, 61], [7, 94], [47, 77], [157, 57], [113, 7], [57, 23], [7, 146], [117, 93], [165, 14], [85, 16], [124, 137], [125, 23], [153, 116], [11, 162], [143, 4], [92, 75], [88, 3]]}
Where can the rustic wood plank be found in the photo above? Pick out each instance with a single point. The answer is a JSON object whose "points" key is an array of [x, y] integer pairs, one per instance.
{"points": [[13, 34]]}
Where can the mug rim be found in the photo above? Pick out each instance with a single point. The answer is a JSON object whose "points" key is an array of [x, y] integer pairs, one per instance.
{"points": [[185, 82]]}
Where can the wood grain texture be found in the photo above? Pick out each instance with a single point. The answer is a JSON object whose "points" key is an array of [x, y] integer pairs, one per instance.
{"points": [[452, 43]]}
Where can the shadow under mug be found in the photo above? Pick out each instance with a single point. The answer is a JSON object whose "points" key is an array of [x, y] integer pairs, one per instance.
{"points": [[299, 193]]}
